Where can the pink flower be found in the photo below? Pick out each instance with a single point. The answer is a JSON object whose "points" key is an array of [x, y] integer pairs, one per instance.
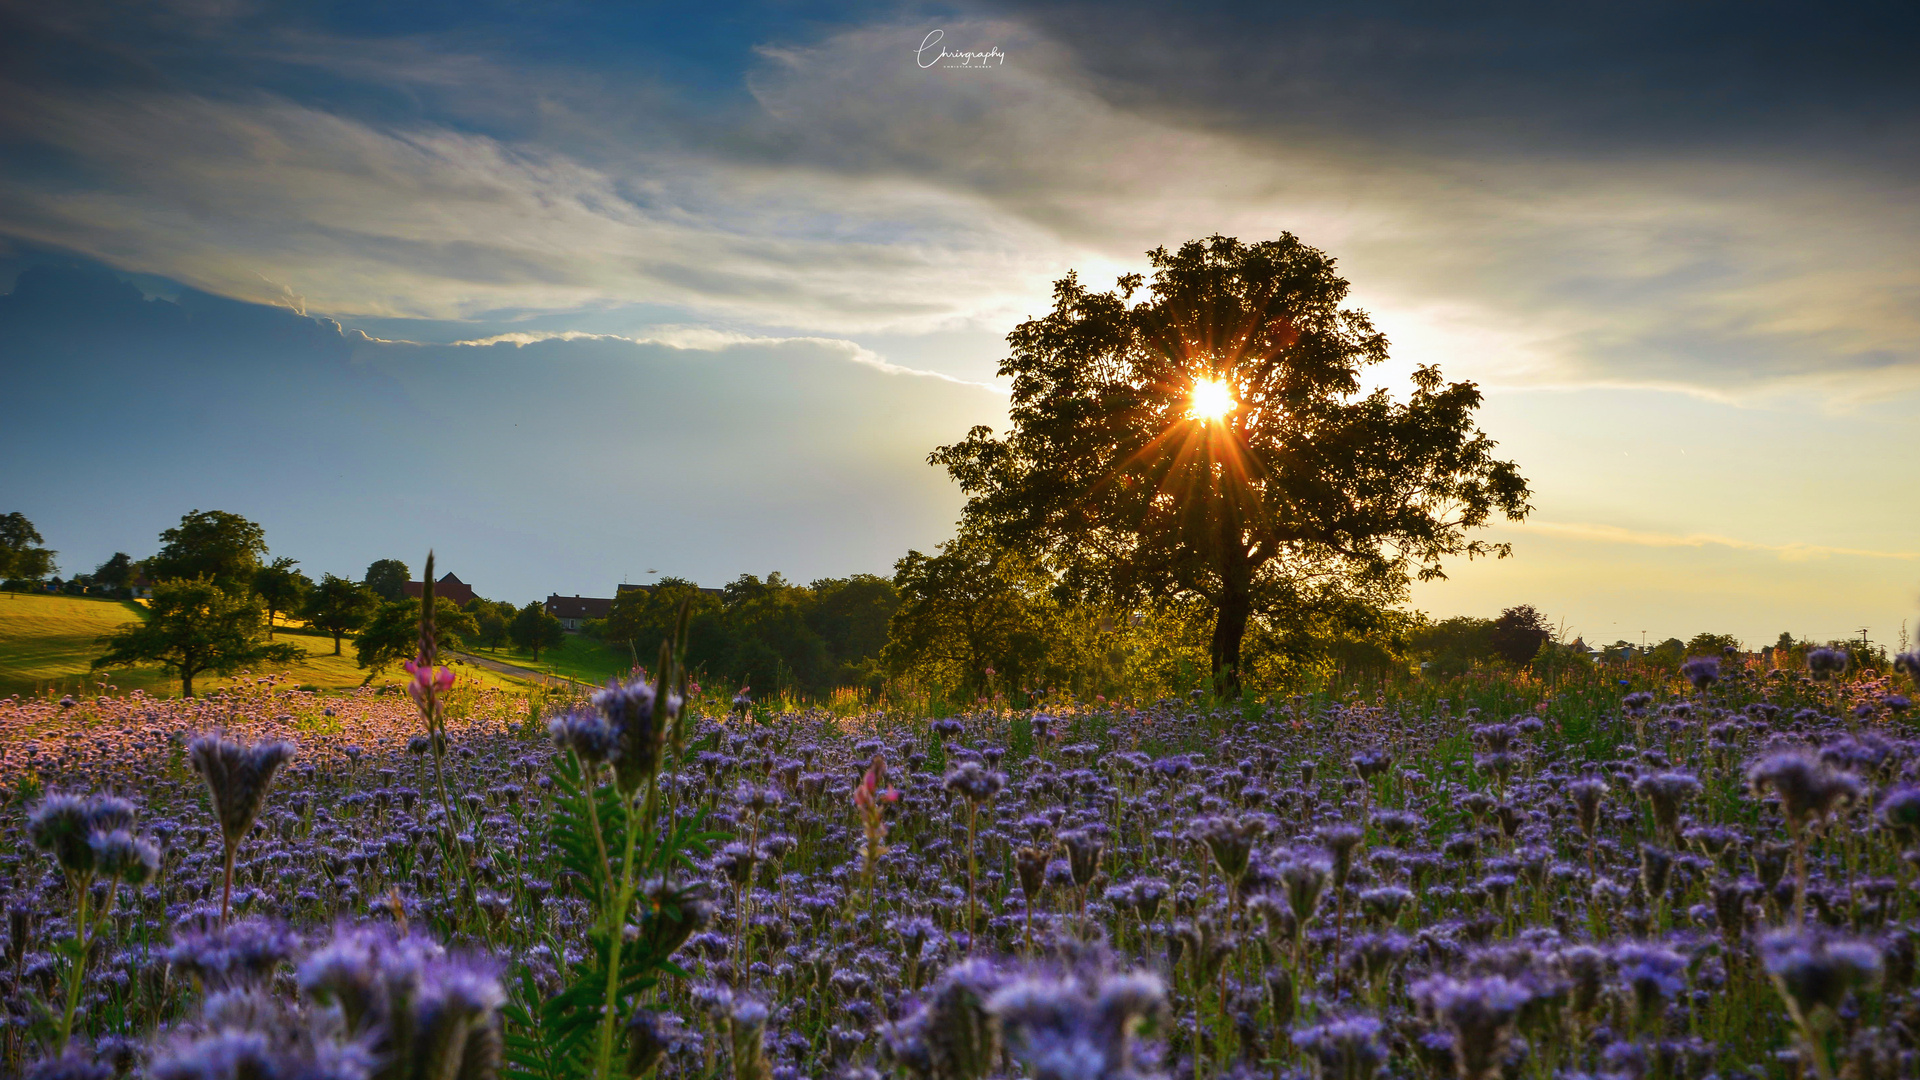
{"points": [[426, 681]]}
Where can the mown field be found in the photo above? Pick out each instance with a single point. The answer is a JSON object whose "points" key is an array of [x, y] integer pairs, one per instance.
{"points": [[48, 642]]}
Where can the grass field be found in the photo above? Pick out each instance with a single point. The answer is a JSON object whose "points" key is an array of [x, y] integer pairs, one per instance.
{"points": [[581, 658], [47, 643]]}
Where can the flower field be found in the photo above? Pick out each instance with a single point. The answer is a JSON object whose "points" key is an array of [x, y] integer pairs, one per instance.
{"points": [[1708, 878]]}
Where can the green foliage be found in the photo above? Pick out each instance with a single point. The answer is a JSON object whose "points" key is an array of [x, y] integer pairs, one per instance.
{"points": [[337, 607], [387, 579], [22, 558], [281, 587], [553, 1039], [534, 628], [1712, 644], [973, 618], [1518, 634], [1453, 646], [392, 633], [194, 626], [768, 633], [491, 619], [117, 573], [1306, 492], [215, 544]]}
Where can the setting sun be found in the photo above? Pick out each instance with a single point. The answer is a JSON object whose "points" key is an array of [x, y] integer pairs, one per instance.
{"points": [[1212, 400]]}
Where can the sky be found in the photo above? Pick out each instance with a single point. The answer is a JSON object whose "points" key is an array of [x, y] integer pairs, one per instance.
{"points": [[582, 293]]}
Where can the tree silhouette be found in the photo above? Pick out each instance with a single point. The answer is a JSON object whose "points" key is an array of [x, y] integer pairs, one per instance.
{"points": [[1210, 439]]}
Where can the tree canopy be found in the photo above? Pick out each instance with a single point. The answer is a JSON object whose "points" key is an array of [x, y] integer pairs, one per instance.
{"points": [[535, 628], [195, 626], [337, 606], [22, 556], [281, 587], [392, 633], [1210, 440], [213, 544], [387, 579], [1518, 634]]}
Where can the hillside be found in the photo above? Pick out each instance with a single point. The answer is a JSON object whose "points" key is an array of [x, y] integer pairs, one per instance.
{"points": [[47, 643]]}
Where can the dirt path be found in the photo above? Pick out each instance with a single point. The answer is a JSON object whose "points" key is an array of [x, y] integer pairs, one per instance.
{"points": [[512, 672]]}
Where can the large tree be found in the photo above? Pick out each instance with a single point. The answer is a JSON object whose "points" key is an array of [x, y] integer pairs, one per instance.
{"points": [[195, 626], [22, 558], [1209, 438], [387, 579], [213, 544], [281, 587], [337, 606]]}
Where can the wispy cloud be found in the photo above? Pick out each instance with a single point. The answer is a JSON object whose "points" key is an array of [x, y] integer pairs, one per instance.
{"points": [[854, 192], [1793, 551]]}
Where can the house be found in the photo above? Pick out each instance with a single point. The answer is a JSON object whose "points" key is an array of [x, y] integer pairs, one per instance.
{"points": [[575, 610], [141, 587], [450, 587]]}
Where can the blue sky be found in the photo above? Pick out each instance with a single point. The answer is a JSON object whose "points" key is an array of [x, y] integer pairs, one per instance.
{"points": [[573, 292]]}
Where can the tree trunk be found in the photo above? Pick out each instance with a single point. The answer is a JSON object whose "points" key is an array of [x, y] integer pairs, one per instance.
{"points": [[186, 683], [336, 644], [1229, 627]]}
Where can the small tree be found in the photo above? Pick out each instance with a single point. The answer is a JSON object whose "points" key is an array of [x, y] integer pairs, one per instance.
{"points": [[338, 607], [194, 626], [21, 556], [281, 588], [392, 634], [535, 628], [491, 618], [116, 573], [971, 618], [1518, 634], [1712, 644], [387, 579], [213, 544]]}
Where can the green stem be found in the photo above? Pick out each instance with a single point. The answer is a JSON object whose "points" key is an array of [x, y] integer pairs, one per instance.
{"points": [[616, 933], [77, 969]]}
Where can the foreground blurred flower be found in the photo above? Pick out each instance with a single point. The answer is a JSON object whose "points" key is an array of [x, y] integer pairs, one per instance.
{"points": [[1814, 974], [89, 837], [237, 779], [1073, 1029], [1808, 791]]}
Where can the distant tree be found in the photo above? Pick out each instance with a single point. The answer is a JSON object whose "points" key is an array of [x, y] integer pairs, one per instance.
{"points": [[281, 588], [21, 556], [642, 618], [491, 618], [1453, 646], [1666, 656], [116, 573], [387, 579], [214, 544], [338, 607], [1518, 634], [1712, 644], [392, 633], [195, 626], [973, 617], [534, 628], [851, 615]]}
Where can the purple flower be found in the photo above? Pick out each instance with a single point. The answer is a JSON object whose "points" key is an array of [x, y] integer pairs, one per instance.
{"points": [[1481, 1013], [1065, 1028], [1817, 972], [1343, 1049], [237, 778]]}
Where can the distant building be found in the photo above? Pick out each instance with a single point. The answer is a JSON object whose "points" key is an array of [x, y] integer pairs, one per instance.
{"points": [[450, 587], [141, 587], [573, 611]]}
